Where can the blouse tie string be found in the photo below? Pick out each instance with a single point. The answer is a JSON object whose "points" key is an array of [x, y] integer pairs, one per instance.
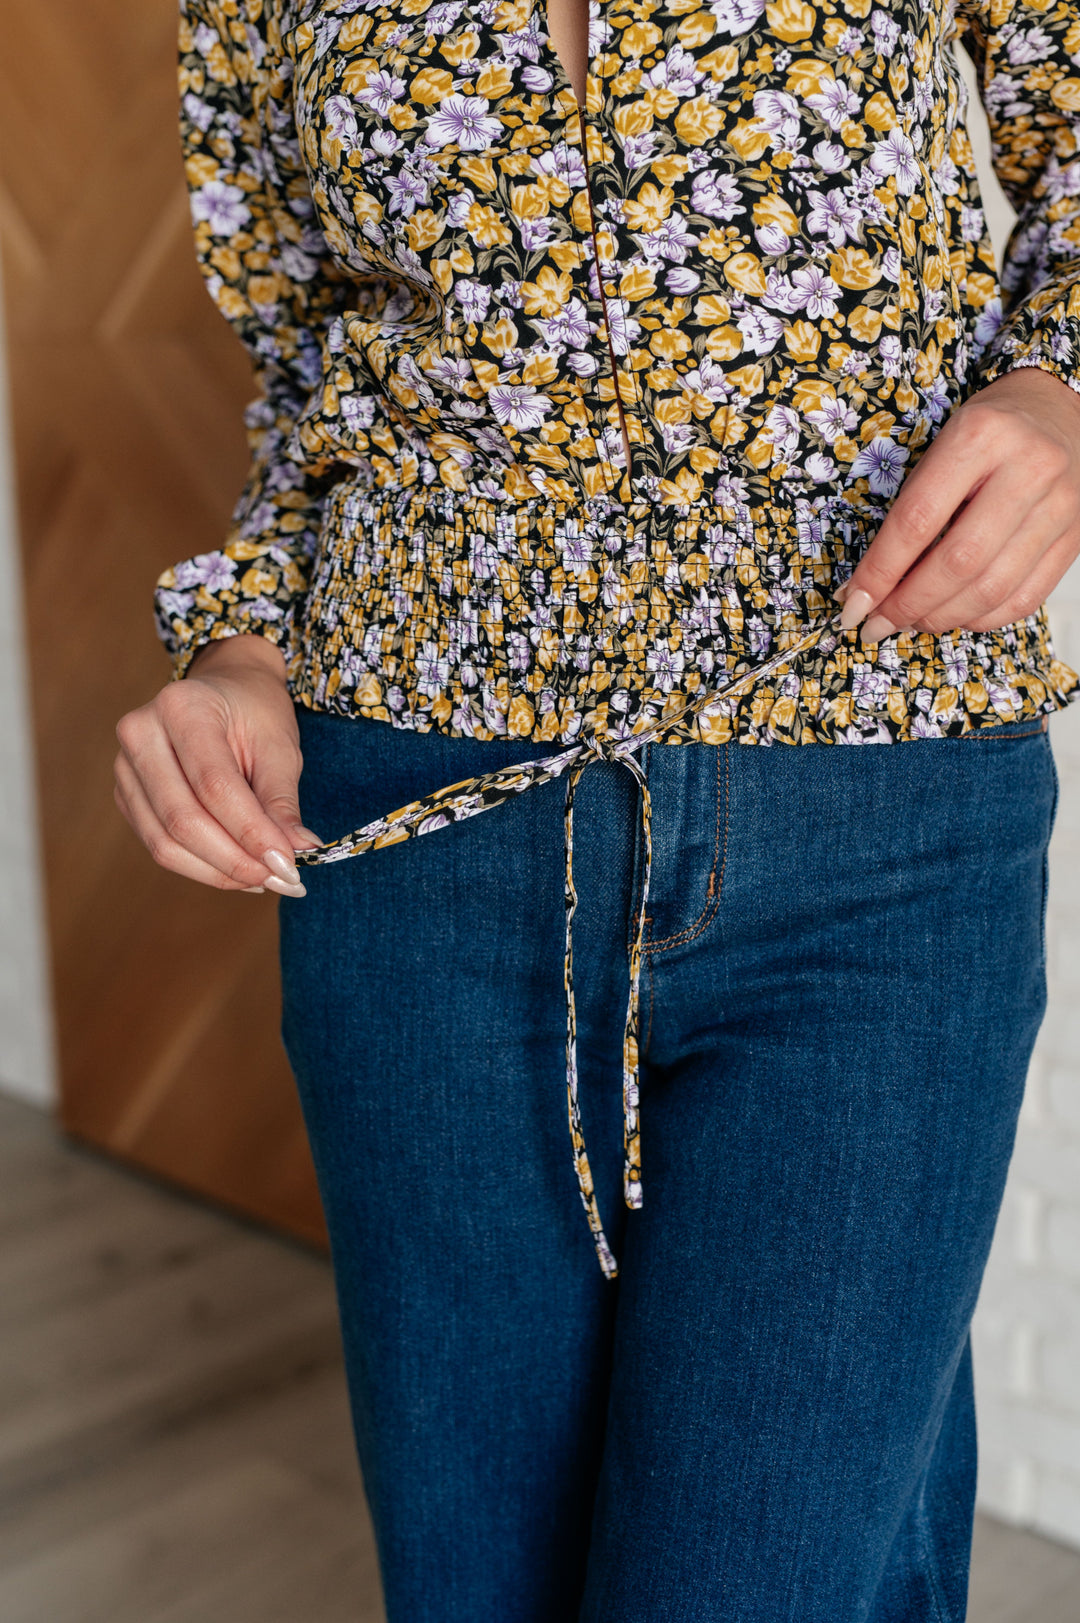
{"points": [[458, 801]]}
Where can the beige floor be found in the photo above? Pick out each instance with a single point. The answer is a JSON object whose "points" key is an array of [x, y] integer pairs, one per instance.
{"points": [[174, 1440]]}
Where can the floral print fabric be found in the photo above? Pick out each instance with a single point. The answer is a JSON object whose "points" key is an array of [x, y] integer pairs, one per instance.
{"points": [[759, 248]]}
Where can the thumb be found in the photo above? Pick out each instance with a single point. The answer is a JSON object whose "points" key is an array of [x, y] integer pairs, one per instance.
{"points": [[275, 779]]}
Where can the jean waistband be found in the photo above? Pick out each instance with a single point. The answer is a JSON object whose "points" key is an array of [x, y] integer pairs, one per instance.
{"points": [[458, 801]]}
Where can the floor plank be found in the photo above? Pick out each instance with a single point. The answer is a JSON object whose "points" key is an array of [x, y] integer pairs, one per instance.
{"points": [[175, 1444]]}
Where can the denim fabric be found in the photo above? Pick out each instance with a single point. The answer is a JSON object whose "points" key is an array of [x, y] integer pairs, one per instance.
{"points": [[768, 1417]]}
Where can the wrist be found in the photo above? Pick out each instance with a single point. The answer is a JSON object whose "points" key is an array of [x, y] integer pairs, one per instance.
{"points": [[247, 651]]}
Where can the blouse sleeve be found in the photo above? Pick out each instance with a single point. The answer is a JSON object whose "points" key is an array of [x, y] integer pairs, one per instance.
{"points": [[269, 269], [1028, 60]]}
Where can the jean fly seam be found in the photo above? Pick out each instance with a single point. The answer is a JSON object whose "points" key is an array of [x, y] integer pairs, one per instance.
{"points": [[716, 880]]}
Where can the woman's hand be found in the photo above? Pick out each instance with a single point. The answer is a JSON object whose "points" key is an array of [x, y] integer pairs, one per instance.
{"points": [[207, 772], [1002, 481]]}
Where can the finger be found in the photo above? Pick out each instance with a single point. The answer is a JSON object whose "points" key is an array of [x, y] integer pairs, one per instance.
{"points": [[306, 840], [999, 532], [1006, 575], [131, 799], [948, 474], [1031, 593], [183, 816], [213, 774], [275, 779]]}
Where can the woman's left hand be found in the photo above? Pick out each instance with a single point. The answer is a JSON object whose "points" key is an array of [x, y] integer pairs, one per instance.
{"points": [[1000, 486]]}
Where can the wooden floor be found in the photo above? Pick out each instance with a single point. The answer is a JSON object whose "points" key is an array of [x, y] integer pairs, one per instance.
{"points": [[174, 1437]]}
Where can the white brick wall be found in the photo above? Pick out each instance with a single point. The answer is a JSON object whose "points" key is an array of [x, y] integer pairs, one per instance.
{"points": [[1027, 1327]]}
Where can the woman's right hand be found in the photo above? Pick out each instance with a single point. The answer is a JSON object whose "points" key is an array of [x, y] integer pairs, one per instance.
{"points": [[207, 772]]}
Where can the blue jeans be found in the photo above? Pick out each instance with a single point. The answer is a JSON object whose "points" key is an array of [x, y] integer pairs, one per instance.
{"points": [[768, 1417]]}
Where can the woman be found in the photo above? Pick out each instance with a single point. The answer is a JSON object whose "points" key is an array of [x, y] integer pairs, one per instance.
{"points": [[597, 362]]}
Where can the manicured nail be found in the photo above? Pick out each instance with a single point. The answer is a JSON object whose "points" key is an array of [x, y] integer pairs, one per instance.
{"points": [[841, 591], [282, 889], [857, 606], [308, 834], [280, 864], [254, 890], [877, 627]]}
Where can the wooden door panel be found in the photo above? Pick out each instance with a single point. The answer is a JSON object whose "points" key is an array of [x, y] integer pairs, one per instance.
{"points": [[127, 390]]}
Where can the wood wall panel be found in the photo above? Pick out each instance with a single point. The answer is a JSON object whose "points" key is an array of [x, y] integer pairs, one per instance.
{"points": [[127, 391]]}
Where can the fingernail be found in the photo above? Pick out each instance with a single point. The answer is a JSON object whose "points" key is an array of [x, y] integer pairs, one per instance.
{"points": [[282, 889], [254, 890], [877, 627], [308, 834], [841, 591], [857, 606], [279, 864]]}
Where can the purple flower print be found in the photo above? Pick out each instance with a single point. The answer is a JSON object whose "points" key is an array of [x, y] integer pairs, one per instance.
{"points": [[222, 207], [772, 240], [894, 155], [638, 149], [831, 157], [886, 32], [761, 330], [681, 280], [463, 121], [453, 372], [577, 552], [708, 379], [781, 293], [988, 322], [1029, 45], [736, 16], [869, 688], [441, 18], [835, 418], [199, 112], [715, 195], [622, 328], [408, 192], [518, 405], [537, 79], [678, 72], [783, 425], [340, 118], [211, 570], [820, 469], [778, 113], [472, 298], [890, 355], [836, 102], [432, 669], [677, 437], [759, 635], [358, 410], [565, 163], [817, 291], [570, 327], [665, 665], [882, 462], [671, 239], [535, 233], [176, 604], [833, 215]]}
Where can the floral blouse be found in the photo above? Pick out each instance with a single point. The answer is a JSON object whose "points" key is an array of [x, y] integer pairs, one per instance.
{"points": [[756, 259], [759, 249]]}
